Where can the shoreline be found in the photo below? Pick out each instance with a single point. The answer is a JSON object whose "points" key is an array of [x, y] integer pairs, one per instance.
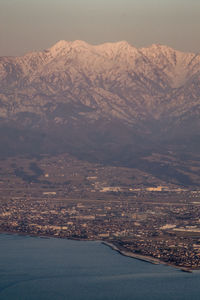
{"points": [[148, 259], [124, 252]]}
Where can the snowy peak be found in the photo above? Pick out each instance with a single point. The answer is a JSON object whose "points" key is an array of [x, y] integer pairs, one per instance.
{"points": [[78, 60], [121, 48], [62, 47], [176, 65], [59, 47], [118, 50], [80, 44], [121, 45], [160, 56], [158, 52]]}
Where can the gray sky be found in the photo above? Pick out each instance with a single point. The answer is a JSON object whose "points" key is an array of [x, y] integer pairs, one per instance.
{"points": [[27, 25]]}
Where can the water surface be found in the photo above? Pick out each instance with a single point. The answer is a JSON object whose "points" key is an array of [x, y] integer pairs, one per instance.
{"points": [[33, 268]]}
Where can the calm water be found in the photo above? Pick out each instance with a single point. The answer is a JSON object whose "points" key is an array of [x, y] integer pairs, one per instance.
{"points": [[40, 269]]}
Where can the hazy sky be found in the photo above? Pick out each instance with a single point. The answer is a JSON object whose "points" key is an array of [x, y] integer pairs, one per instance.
{"points": [[27, 25]]}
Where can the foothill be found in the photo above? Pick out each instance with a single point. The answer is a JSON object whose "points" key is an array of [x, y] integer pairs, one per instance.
{"points": [[67, 198]]}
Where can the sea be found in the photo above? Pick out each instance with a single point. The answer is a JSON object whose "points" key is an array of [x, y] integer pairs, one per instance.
{"points": [[35, 268]]}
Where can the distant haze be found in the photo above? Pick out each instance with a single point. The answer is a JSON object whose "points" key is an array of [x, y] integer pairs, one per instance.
{"points": [[37, 24]]}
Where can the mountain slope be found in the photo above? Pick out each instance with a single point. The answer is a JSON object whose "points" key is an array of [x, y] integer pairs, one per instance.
{"points": [[110, 103]]}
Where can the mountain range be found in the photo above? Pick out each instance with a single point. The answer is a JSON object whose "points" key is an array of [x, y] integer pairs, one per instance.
{"points": [[112, 104]]}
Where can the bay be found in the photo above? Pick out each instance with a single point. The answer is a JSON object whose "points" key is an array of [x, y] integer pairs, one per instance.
{"points": [[33, 268]]}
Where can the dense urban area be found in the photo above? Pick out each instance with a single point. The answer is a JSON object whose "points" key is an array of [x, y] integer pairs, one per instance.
{"points": [[67, 198]]}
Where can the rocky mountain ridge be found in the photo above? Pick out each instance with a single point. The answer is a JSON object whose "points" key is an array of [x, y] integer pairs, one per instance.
{"points": [[115, 71], [111, 102]]}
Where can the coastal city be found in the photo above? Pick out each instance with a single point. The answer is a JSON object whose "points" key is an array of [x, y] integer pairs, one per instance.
{"points": [[156, 223]]}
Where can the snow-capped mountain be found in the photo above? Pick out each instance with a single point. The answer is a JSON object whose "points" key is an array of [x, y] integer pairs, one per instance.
{"points": [[112, 99]]}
